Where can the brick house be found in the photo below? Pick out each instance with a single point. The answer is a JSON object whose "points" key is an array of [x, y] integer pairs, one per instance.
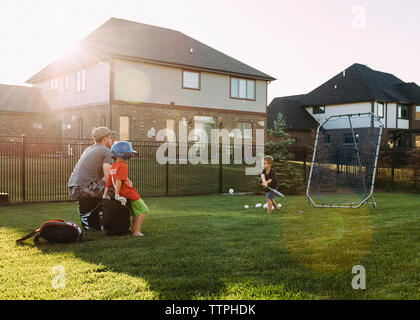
{"points": [[360, 89], [23, 110], [137, 79]]}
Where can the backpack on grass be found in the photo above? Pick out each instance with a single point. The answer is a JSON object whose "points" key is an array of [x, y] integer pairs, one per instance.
{"points": [[56, 231]]}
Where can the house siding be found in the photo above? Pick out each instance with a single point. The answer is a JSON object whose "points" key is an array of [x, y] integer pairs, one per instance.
{"points": [[145, 82], [332, 110], [97, 87]]}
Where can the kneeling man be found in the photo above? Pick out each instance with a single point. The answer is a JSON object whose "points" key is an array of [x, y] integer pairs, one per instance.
{"points": [[87, 182]]}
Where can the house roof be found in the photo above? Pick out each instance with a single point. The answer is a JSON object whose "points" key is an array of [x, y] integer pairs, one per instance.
{"points": [[360, 83], [22, 99], [128, 39], [294, 114]]}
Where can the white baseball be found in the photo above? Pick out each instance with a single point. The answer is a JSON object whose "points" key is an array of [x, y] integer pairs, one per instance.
{"points": [[231, 191]]}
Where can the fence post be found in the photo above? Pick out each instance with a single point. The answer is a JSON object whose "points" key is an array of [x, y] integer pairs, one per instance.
{"points": [[22, 169], [167, 178], [304, 163], [220, 168], [392, 166]]}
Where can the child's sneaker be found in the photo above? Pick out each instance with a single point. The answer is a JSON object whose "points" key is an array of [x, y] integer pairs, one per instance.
{"points": [[137, 234]]}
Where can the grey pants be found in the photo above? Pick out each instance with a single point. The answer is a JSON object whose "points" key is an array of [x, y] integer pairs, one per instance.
{"points": [[95, 189]]}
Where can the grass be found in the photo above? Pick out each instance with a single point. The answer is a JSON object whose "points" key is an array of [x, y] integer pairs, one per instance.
{"points": [[209, 247]]}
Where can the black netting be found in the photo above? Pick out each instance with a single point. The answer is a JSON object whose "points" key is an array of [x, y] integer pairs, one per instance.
{"points": [[344, 160]]}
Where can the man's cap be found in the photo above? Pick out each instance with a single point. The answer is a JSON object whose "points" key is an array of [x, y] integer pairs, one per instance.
{"points": [[102, 132]]}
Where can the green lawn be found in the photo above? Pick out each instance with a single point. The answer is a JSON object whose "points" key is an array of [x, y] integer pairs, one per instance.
{"points": [[210, 247]]}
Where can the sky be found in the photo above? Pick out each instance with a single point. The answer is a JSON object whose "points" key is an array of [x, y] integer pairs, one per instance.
{"points": [[301, 43]]}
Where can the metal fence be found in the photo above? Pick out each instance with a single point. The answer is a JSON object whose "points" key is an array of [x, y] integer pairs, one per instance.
{"points": [[37, 169]]}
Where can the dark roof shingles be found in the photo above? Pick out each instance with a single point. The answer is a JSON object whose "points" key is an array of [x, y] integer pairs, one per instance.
{"points": [[294, 115], [124, 38], [22, 99], [356, 84]]}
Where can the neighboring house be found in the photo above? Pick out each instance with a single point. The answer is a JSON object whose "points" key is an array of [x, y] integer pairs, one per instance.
{"points": [[23, 110], [298, 123], [137, 79], [360, 89]]}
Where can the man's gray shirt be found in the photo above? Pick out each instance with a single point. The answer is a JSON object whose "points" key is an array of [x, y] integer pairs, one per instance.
{"points": [[90, 165]]}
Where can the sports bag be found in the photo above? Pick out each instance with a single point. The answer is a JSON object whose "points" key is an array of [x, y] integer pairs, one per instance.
{"points": [[116, 218], [56, 231], [91, 213]]}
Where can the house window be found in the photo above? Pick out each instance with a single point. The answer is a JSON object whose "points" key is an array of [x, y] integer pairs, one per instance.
{"points": [[124, 128], [54, 84], [81, 80], [418, 141], [403, 112], [380, 110], [242, 89], [417, 112], [171, 125], [318, 110], [348, 138], [80, 128], [204, 125], [246, 129], [67, 82], [191, 80], [103, 121]]}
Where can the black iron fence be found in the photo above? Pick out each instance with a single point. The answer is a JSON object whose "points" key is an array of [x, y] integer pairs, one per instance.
{"points": [[37, 169]]}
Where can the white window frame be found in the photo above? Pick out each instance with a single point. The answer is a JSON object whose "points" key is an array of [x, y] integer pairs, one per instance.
{"points": [[380, 104], [171, 125], [81, 80], [241, 89], [188, 80], [125, 136], [54, 84], [200, 123], [67, 82], [242, 126], [399, 112]]}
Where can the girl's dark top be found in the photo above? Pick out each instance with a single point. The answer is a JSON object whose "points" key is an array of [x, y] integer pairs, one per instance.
{"points": [[271, 175]]}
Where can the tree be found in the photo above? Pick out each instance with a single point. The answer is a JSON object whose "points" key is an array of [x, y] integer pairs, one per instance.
{"points": [[288, 175]]}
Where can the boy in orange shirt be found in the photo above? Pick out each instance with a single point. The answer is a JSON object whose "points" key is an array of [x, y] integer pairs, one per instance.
{"points": [[118, 178]]}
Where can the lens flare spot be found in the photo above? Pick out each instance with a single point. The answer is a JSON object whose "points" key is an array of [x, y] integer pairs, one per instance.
{"points": [[132, 85], [328, 240]]}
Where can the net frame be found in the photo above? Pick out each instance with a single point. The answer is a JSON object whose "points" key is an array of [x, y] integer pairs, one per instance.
{"points": [[368, 190]]}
